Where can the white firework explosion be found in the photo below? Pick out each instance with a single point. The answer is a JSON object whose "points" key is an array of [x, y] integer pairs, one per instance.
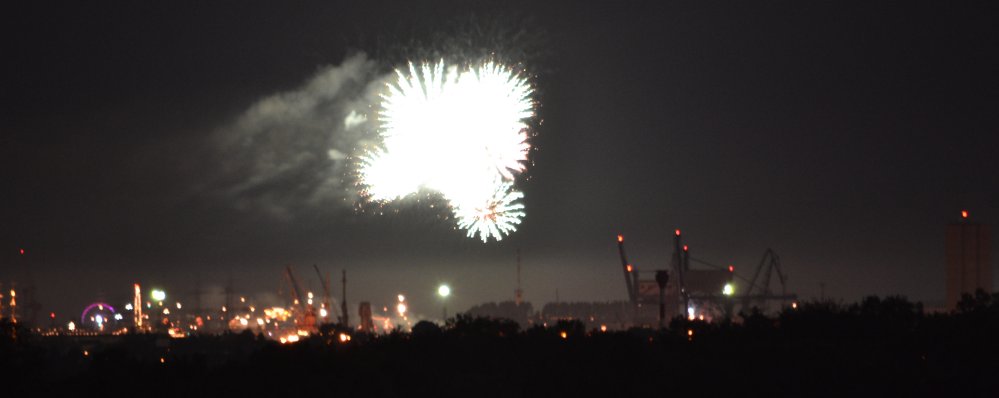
{"points": [[462, 133], [496, 217]]}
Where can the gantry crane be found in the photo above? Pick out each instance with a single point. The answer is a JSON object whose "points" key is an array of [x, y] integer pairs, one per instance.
{"points": [[757, 291], [762, 294]]}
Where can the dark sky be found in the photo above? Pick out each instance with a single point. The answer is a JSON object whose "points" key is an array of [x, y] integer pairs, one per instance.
{"points": [[844, 135]]}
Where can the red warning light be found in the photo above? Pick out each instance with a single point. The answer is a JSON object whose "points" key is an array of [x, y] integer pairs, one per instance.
{"points": [[684, 247], [52, 315], [677, 232], [964, 214], [628, 268], [731, 268], [22, 252], [620, 238]]}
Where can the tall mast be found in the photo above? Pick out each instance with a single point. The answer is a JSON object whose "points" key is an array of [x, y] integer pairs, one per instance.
{"points": [[343, 303], [519, 293]]}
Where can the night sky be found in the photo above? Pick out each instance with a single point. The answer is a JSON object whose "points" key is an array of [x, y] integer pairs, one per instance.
{"points": [[844, 135]]}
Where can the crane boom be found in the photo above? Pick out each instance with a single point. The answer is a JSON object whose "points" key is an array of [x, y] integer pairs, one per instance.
{"points": [[629, 270], [326, 289], [295, 291]]}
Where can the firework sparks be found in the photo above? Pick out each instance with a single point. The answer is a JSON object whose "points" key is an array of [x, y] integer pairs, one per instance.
{"points": [[496, 217], [462, 133]]}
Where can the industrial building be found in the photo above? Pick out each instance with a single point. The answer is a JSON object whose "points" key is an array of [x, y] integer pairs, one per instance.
{"points": [[969, 266]]}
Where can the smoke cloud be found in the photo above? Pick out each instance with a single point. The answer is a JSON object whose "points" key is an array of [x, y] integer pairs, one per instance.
{"points": [[290, 152]]}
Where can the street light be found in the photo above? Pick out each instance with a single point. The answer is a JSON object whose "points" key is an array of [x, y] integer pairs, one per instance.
{"points": [[444, 291]]}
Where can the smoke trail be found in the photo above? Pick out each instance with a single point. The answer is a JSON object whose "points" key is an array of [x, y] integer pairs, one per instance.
{"points": [[289, 152]]}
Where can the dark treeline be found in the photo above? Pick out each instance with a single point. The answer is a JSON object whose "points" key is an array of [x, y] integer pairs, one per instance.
{"points": [[877, 347]]}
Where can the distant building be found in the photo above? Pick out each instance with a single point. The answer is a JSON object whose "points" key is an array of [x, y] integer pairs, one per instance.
{"points": [[969, 265]]}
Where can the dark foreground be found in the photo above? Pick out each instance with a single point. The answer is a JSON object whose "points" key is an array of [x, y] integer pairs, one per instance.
{"points": [[880, 347]]}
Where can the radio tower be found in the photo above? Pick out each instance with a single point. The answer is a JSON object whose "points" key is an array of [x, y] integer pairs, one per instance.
{"points": [[519, 293]]}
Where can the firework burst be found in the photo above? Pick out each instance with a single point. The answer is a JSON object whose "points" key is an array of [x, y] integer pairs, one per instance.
{"points": [[459, 132], [496, 217]]}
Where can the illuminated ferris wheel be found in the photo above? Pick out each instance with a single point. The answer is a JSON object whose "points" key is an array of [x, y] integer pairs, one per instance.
{"points": [[99, 316]]}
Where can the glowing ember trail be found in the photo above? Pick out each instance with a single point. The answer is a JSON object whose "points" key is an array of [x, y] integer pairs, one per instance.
{"points": [[461, 133]]}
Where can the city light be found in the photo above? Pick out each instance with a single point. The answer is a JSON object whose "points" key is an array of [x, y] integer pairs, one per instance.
{"points": [[158, 295], [136, 305], [728, 290], [401, 308], [71, 326]]}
